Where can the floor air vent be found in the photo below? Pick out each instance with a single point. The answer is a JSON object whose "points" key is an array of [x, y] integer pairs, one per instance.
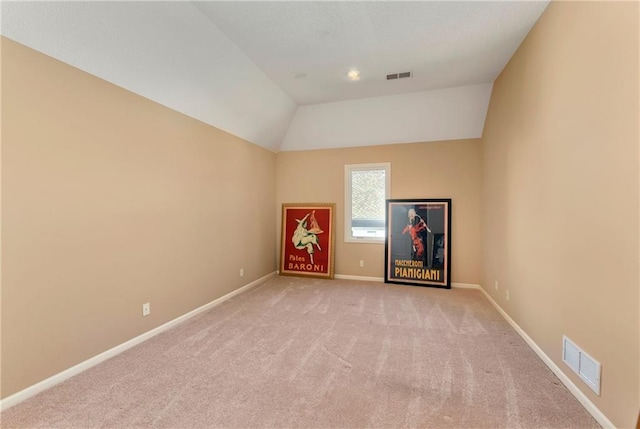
{"points": [[587, 368]]}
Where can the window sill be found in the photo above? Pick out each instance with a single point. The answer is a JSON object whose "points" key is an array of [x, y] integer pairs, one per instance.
{"points": [[364, 240]]}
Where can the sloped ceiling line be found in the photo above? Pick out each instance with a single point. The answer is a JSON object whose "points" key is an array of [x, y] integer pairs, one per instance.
{"points": [[168, 52], [245, 67]]}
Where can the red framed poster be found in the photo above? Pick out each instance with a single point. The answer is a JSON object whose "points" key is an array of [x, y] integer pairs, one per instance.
{"points": [[308, 240]]}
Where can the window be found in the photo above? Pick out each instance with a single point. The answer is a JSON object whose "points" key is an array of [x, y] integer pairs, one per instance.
{"points": [[366, 189]]}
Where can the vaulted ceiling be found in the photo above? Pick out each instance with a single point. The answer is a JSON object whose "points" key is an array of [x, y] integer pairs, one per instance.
{"points": [[275, 73]]}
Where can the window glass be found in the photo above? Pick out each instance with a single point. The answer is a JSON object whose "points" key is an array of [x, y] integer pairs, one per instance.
{"points": [[366, 189]]}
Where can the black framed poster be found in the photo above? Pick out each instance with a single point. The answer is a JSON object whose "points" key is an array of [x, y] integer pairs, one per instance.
{"points": [[418, 242]]}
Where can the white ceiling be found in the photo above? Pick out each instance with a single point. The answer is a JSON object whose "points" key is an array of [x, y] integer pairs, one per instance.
{"points": [[274, 73], [307, 48]]}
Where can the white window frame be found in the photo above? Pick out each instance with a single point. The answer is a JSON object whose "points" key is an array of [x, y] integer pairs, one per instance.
{"points": [[348, 169]]}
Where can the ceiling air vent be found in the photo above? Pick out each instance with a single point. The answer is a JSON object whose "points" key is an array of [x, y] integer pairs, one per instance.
{"points": [[400, 75]]}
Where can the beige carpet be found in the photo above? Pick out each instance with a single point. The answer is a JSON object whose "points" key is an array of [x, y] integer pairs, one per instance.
{"points": [[308, 353]]}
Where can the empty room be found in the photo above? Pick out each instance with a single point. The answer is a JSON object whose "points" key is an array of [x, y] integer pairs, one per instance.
{"points": [[320, 214]]}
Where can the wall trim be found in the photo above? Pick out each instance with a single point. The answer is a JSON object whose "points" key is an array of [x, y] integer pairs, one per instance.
{"points": [[45, 384], [465, 286], [363, 278], [575, 391], [381, 279]]}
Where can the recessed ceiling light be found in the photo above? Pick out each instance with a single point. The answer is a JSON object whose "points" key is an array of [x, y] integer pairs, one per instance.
{"points": [[353, 75]]}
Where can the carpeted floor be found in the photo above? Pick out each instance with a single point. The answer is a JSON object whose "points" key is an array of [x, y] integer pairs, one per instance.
{"points": [[306, 353]]}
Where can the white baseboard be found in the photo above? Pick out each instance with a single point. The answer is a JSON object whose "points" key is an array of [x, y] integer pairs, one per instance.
{"points": [[381, 279], [83, 366], [363, 278], [33, 390], [465, 286], [575, 391]]}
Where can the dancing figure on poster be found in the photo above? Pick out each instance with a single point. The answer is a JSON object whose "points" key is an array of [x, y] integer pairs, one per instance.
{"points": [[417, 229], [306, 238]]}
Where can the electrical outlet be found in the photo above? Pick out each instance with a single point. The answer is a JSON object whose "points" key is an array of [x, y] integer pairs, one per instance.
{"points": [[146, 309], [496, 284], [241, 272], [507, 295], [361, 263]]}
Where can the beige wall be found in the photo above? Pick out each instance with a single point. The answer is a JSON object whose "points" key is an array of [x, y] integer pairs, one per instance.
{"points": [[109, 201], [450, 169], [561, 192]]}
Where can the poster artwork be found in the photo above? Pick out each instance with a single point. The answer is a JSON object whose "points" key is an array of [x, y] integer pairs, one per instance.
{"points": [[417, 248], [307, 240]]}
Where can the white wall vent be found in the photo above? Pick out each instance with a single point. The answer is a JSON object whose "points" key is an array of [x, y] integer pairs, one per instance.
{"points": [[587, 368]]}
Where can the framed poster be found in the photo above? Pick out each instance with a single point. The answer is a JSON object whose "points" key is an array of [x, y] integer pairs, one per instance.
{"points": [[418, 243], [308, 240]]}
